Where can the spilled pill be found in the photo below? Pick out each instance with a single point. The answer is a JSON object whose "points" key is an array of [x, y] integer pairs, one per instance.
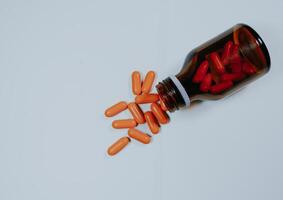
{"points": [[118, 146], [159, 114], [124, 123], [116, 108], [146, 98], [163, 106], [151, 122], [136, 112], [139, 135], [148, 81], [136, 82]]}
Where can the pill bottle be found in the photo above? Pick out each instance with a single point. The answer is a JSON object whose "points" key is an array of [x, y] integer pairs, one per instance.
{"points": [[217, 68]]}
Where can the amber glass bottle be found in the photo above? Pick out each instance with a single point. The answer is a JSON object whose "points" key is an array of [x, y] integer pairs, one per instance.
{"points": [[217, 68]]}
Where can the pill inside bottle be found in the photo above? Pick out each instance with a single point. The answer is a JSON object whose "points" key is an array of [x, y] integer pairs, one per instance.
{"points": [[217, 68]]}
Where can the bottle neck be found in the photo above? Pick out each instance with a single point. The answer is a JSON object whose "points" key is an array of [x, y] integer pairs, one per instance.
{"points": [[172, 94]]}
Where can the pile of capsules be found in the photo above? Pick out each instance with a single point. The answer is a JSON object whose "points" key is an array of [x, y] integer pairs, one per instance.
{"points": [[224, 70], [156, 116]]}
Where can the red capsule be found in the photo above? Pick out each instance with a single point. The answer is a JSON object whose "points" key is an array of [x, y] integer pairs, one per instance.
{"points": [[226, 52], [235, 54], [201, 72], [216, 63], [249, 69], [232, 77], [236, 67], [206, 83], [215, 77], [220, 87]]}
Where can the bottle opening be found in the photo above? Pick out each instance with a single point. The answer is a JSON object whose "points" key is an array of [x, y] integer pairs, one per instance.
{"points": [[172, 95]]}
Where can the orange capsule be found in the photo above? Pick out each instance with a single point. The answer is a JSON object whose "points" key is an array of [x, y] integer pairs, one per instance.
{"points": [[136, 112], [118, 145], [124, 123], [146, 98], [139, 136], [151, 122], [136, 82], [115, 109], [148, 81], [160, 115], [163, 106]]}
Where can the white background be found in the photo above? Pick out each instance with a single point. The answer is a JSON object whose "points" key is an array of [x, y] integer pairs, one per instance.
{"points": [[63, 62]]}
